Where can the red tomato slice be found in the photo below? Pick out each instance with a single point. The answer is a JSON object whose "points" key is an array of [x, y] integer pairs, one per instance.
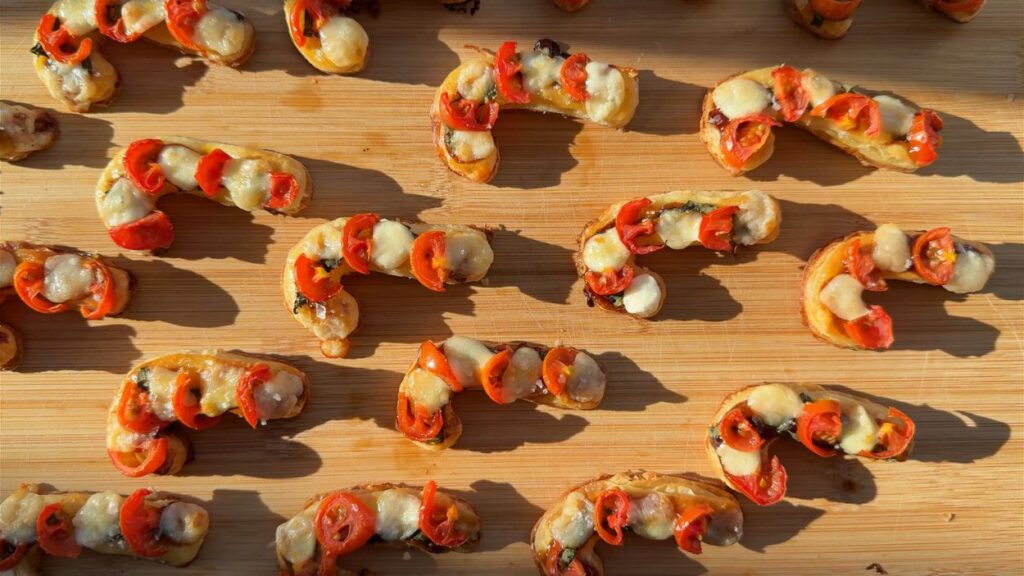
{"points": [[464, 114], [59, 43], [438, 522], [29, 283], [509, 78], [284, 189], [924, 137], [690, 527], [11, 554], [744, 136], [872, 331], [631, 226], [738, 432], [140, 524], [182, 18], [611, 515], [146, 459], [861, 266], [153, 231], [428, 259], [56, 533], [416, 422], [491, 373], [790, 93], [253, 377], [141, 166], [553, 565], [956, 6], [134, 411], [715, 230], [766, 487], [557, 368], [102, 292], [320, 11], [314, 281], [188, 390], [819, 426], [434, 361], [210, 171], [357, 241], [343, 524], [574, 77], [893, 437], [110, 22], [835, 9], [610, 281], [851, 112]]}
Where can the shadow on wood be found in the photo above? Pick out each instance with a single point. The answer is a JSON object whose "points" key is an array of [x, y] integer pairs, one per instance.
{"points": [[519, 260], [630, 388], [668, 107], [765, 526], [77, 133], [205, 229], [178, 296], [535, 148], [835, 479], [508, 517]]}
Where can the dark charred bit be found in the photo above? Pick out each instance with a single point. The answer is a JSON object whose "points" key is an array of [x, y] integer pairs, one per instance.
{"points": [[549, 47], [877, 568], [45, 122], [805, 398], [717, 119], [468, 7], [817, 20]]}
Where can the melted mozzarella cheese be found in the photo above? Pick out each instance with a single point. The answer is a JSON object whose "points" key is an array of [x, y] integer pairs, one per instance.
{"points": [[859, 430], [818, 87], [178, 163], [278, 396], [76, 15], [18, 513], [141, 15], [391, 243], [83, 86], [222, 32], [470, 146], [755, 219], [607, 91], [7, 266], [522, 376], [653, 516], [344, 42], [124, 203], [427, 390], [184, 522], [575, 521], [971, 271], [896, 116], [605, 251], [220, 381], [123, 440], [541, 71], [296, 539], [467, 358], [469, 255], [96, 522], [842, 295], [892, 248], [476, 80], [775, 404], [678, 228], [740, 97], [586, 380], [161, 383], [398, 514], [67, 278], [643, 296], [325, 244], [248, 182], [738, 463]]}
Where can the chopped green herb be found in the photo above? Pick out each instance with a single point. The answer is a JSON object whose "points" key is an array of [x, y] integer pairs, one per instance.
{"points": [[447, 138], [300, 302], [38, 51], [817, 20], [87, 64], [566, 558], [330, 263], [697, 207], [616, 299], [805, 398], [492, 93], [141, 378]]}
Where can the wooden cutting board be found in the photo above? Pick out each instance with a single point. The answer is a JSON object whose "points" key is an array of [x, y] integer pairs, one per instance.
{"points": [[956, 508]]}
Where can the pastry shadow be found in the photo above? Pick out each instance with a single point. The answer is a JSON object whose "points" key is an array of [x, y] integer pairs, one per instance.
{"points": [[489, 427], [981, 155], [241, 521], [539, 269], [205, 229], [691, 294], [642, 557], [631, 388], [535, 149], [165, 293], [78, 133], [667, 107], [507, 515], [806, 227], [922, 323], [803, 156], [1005, 282], [153, 78], [765, 526], [226, 450], [836, 479]]}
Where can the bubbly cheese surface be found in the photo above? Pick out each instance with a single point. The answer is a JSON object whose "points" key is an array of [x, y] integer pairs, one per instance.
{"points": [[141, 15], [467, 358], [755, 219], [971, 271], [652, 516], [124, 203], [66, 278], [842, 295], [607, 90], [344, 42], [76, 15], [7, 266], [470, 146], [896, 116], [476, 80], [296, 538], [96, 522], [398, 514], [775, 404], [541, 71], [522, 377], [574, 524], [859, 430], [738, 463], [740, 97], [161, 384], [427, 390], [469, 254], [586, 379], [892, 248], [222, 32], [178, 163], [643, 296], [678, 228], [18, 513], [605, 251], [390, 244], [278, 396], [818, 87], [184, 522], [247, 181]]}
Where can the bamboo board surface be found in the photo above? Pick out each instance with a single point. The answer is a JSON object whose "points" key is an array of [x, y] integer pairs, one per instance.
{"points": [[956, 508]]}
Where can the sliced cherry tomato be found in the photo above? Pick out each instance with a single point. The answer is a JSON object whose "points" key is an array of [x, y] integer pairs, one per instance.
{"points": [[146, 459], [357, 241], [861, 266], [319, 12], [59, 43], [438, 522], [210, 171], [429, 261], [835, 9], [893, 438], [140, 524], [924, 137], [153, 231], [343, 524], [819, 426], [134, 411], [416, 422], [631, 227], [464, 114], [110, 21], [610, 281], [715, 230], [314, 281], [141, 165], [11, 554], [434, 361], [739, 432], [284, 189], [102, 293], [766, 487], [744, 136], [851, 112], [690, 527], [244, 392], [509, 70], [557, 368], [182, 18], [611, 515], [555, 566], [957, 6], [872, 331], [491, 373], [56, 533], [29, 284], [790, 93], [188, 390], [574, 77]]}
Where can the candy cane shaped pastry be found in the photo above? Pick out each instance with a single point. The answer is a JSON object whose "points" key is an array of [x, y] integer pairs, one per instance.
{"points": [[56, 279], [655, 506], [836, 276], [153, 526], [832, 19], [24, 130], [547, 79], [160, 397], [561, 376], [608, 246], [339, 523], [145, 170], [68, 37], [826, 421], [433, 254], [881, 131]]}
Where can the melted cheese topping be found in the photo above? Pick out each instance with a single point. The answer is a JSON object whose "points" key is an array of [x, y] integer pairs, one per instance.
{"points": [[643, 296], [753, 220], [96, 522], [184, 522], [178, 163], [76, 15], [575, 521], [842, 295], [18, 513], [141, 15], [219, 382], [390, 244], [896, 116], [80, 85], [66, 278], [124, 203], [775, 404], [467, 358], [586, 380], [605, 251], [161, 384], [470, 146], [324, 243], [296, 539], [476, 80], [222, 32], [344, 42], [818, 87], [678, 228], [738, 463], [541, 71], [740, 97], [522, 376], [426, 390], [859, 430], [277, 397], [972, 270], [123, 440], [892, 248], [653, 516], [468, 253], [607, 91], [247, 181], [398, 514], [7, 266]]}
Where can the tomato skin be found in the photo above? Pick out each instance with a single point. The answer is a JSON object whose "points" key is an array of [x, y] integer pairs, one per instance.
{"points": [[29, 283], [416, 422], [59, 42], [182, 17], [114, 30], [140, 524], [611, 515], [314, 281], [428, 259], [320, 10], [715, 231], [210, 171], [820, 420], [464, 114], [357, 242], [690, 527], [851, 111], [102, 292], [610, 281], [187, 407], [284, 189], [764, 488], [557, 368], [509, 78], [491, 376], [893, 438], [574, 77], [434, 361], [244, 392], [744, 136], [872, 331], [861, 266], [55, 532], [438, 522], [790, 93], [141, 166], [153, 231], [924, 137], [134, 412], [835, 9], [629, 227], [739, 432], [553, 563], [11, 554], [155, 455], [343, 524]]}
